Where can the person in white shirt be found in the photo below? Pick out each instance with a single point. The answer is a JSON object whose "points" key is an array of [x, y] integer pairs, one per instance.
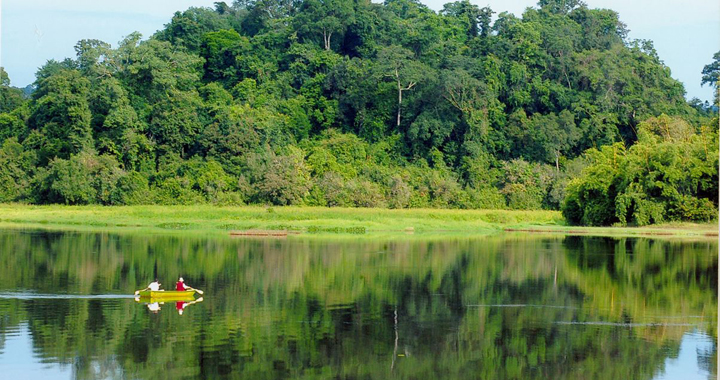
{"points": [[154, 286], [154, 307]]}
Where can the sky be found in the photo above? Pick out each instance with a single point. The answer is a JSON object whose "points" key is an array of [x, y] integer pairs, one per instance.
{"points": [[686, 34]]}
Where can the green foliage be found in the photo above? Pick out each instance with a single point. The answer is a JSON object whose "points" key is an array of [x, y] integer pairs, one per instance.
{"points": [[221, 51], [195, 181], [188, 28], [319, 20], [61, 113], [525, 185], [132, 189], [14, 123], [282, 179], [347, 103], [84, 178], [485, 198], [669, 174], [399, 194], [174, 121], [16, 169], [10, 97], [711, 76]]}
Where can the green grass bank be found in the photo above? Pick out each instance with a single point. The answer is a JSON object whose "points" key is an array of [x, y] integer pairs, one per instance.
{"points": [[314, 220], [224, 219]]}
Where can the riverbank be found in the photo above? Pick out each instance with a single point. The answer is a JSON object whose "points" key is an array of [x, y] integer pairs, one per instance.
{"points": [[316, 220]]}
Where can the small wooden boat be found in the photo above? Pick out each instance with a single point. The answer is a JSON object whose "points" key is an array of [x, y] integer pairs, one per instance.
{"points": [[168, 294]]}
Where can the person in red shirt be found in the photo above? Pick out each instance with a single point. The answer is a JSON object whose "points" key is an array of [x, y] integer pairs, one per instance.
{"points": [[180, 306], [180, 286]]}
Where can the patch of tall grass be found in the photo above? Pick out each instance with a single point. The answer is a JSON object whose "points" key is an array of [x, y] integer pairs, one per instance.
{"points": [[318, 221], [291, 218]]}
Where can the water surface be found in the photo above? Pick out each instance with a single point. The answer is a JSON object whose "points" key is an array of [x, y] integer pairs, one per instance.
{"points": [[508, 306]]}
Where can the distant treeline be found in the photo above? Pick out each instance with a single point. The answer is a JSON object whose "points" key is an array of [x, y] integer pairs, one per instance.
{"points": [[352, 103]]}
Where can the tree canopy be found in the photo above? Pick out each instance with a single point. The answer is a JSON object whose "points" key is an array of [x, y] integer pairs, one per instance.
{"points": [[348, 102]]}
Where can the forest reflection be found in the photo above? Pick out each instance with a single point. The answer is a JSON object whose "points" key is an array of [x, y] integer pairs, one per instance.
{"points": [[505, 306]]}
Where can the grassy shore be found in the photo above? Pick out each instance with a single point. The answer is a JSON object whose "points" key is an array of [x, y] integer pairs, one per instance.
{"points": [[312, 220]]}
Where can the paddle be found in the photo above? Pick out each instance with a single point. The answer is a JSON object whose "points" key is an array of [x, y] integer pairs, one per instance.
{"points": [[197, 290], [196, 301]]}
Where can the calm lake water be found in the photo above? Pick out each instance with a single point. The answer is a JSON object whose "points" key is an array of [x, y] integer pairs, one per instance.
{"points": [[497, 307]]}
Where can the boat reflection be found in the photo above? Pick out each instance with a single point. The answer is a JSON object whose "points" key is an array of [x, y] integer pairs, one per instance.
{"points": [[154, 304], [181, 305]]}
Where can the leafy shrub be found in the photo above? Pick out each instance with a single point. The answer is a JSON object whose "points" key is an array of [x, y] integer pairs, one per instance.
{"points": [[84, 178], [16, 165], [132, 189], [486, 198], [176, 191], [525, 185], [333, 190], [399, 193], [228, 199], [284, 179], [365, 194], [671, 173]]}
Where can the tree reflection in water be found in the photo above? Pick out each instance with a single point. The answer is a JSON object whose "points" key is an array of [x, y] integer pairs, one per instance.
{"points": [[506, 306]]}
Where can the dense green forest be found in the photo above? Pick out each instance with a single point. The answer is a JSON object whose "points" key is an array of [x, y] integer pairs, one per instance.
{"points": [[352, 103]]}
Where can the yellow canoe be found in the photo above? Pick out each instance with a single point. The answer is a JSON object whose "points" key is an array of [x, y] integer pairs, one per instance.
{"points": [[168, 294]]}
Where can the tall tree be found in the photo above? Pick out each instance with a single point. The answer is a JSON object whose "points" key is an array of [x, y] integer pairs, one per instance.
{"points": [[324, 18], [62, 114], [10, 97], [560, 6], [468, 13], [711, 76], [398, 64]]}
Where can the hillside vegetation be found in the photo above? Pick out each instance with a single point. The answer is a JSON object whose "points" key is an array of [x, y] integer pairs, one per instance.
{"points": [[349, 103]]}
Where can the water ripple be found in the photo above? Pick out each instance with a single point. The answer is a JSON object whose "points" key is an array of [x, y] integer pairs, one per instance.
{"points": [[33, 296], [625, 324]]}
